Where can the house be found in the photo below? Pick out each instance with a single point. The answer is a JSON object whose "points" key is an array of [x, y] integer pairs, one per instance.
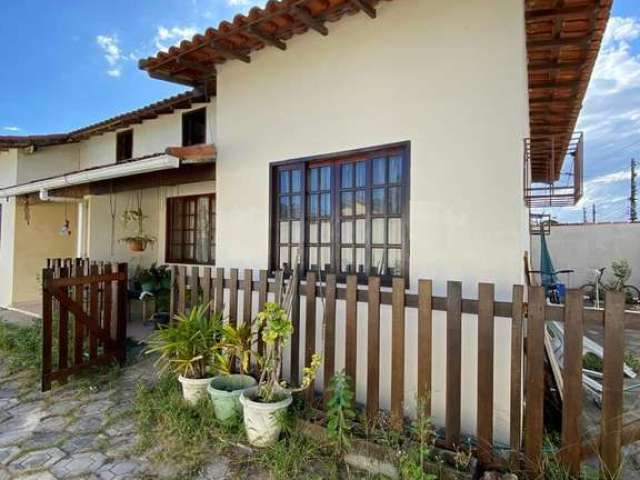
{"points": [[365, 136]]}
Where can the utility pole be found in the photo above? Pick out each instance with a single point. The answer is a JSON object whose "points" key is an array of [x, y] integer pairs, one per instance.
{"points": [[593, 213], [584, 214], [633, 211]]}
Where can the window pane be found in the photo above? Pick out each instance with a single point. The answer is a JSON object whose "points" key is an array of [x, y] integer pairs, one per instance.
{"points": [[188, 253], [325, 178], [361, 231], [347, 176], [296, 181], [284, 257], [284, 181], [325, 205], [295, 232], [379, 167], [295, 259], [313, 232], [346, 260], [361, 202], [395, 231], [284, 207], [325, 232], [361, 174], [360, 266], [284, 232], [394, 200], [347, 232], [314, 174], [313, 206], [325, 258], [395, 169], [377, 230], [296, 206], [377, 201], [377, 261], [346, 204], [394, 261], [313, 259]]}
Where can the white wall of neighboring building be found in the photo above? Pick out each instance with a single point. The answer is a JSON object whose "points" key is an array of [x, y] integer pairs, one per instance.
{"points": [[8, 176], [450, 77], [585, 247]]}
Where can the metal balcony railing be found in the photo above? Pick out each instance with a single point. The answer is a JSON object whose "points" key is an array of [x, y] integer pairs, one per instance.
{"points": [[553, 170]]}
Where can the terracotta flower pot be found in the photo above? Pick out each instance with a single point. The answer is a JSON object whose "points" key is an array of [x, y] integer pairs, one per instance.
{"points": [[136, 245]]}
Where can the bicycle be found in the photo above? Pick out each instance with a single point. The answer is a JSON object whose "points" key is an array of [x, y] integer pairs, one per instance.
{"points": [[595, 291], [556, 292]]}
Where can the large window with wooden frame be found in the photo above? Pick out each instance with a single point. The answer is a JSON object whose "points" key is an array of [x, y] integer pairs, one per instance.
{"points": [[347, 213], [124, 146], [194, 127], [191, 230]]}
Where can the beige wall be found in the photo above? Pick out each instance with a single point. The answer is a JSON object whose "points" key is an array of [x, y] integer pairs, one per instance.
{"points": [[8, 176], [36, 242], [450, 77], [585, 247]]}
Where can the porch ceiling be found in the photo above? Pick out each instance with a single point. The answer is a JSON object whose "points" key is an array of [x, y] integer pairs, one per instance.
{"points": [[563, 40]]}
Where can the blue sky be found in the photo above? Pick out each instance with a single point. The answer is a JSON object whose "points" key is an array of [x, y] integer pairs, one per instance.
{"points": [[75, 62]]}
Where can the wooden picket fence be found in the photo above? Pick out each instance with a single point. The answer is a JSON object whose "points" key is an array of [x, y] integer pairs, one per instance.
{"points": [[526, 441], [84, 315]]}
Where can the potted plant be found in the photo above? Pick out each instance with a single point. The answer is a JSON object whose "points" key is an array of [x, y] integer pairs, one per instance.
{"points": [[262, 404], [225, 389], [186, 348], [139, 241]]}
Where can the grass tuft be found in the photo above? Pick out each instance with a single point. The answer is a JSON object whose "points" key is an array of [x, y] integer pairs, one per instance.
{"points": [[21, 347]]}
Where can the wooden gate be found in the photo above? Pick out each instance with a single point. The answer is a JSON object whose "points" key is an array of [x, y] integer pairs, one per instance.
{"points": [[84, 317]]}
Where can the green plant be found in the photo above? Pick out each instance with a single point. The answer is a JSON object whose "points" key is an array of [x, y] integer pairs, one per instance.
{"points": [[340, 413], [235, 344], [289, 458], [412, 460], [187, 346], [273, 322], [136, 217], [21, 347], [462, 459], [621, 275], [591, 361], [633, 361]]}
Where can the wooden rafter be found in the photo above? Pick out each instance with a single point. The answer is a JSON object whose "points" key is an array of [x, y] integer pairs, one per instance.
{"points": [[558, 43], [229, 52], [267, 39], [365, 6], [197, 66], [310, 21]]}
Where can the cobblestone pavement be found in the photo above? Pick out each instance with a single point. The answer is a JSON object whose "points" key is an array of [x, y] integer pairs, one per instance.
{"points": [[77, 432]]}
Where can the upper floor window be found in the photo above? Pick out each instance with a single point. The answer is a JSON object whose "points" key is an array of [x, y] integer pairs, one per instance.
{"points": [[191, 229], [124, 146], [194, 127], [348, 214]]}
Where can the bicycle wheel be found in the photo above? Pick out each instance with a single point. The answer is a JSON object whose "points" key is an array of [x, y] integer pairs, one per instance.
{"points": [[589, 291]]}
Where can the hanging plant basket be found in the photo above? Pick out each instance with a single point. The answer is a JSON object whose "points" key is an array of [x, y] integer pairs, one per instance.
{"points": [[136, 244]]}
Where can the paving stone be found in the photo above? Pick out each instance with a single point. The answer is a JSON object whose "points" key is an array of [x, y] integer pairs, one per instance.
{"points": [[4, 416], [81, 443], [64, 407], [121, 470], [7, 454], [54, 423], [7, 403], [38, 459], [79, 464], [123, 426], [121, 446], [218, 470], [40, 440], [13, 436], [44, 475], [86, 425], [93, 407]]}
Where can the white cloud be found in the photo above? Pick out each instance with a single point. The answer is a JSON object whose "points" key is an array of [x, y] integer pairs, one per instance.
{"points": [[112, 54], [12, 128], [166, 37]]}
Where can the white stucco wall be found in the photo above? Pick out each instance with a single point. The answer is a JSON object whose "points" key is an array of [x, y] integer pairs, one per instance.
{"points": [[585, 247], [450, 77], [8, 176]]}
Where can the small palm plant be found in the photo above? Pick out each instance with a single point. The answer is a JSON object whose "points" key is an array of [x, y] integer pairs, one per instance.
{"points": [[187, 347], [236, 343]]}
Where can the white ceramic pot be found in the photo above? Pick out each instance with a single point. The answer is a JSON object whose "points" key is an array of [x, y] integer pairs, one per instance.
{"points": [[260, 419], [193, 389]]}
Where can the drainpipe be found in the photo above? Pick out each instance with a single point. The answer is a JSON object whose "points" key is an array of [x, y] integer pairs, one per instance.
{"points": [[81, 227]]}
